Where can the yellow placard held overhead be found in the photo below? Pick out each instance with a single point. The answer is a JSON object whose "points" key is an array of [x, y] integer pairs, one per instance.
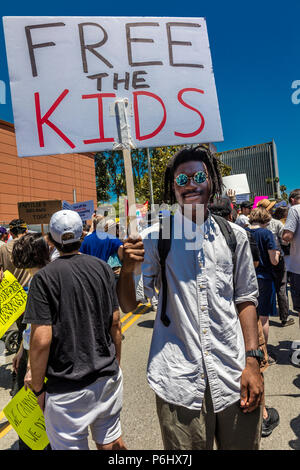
{"points": [[12, 301], [27, 419]]}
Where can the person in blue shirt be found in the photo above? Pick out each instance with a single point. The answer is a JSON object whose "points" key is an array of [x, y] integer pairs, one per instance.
{"points": [[268, 257], [100, 243]]}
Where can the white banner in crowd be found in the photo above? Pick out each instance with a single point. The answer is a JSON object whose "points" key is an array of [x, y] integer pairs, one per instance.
{"points": [[239, 183], [85, 209], [66, 74]]}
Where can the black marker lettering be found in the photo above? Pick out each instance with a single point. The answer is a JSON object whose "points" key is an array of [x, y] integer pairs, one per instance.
{"points": [[136, 79], [98, 77], [118, 80], [180, 43], [32, 46], [92, 47], [130, 40]]}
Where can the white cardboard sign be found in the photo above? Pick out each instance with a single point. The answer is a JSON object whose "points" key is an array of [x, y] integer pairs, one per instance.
{"points": [[66, 74], [239, 183], [85, 209]]}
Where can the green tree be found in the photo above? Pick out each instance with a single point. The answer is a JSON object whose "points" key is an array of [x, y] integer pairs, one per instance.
{"points": [[110, 172], [102, 178], [159, 158], [283, 192], [139, 166]]}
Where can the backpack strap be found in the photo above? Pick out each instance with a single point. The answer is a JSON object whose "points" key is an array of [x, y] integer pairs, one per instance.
{"points": [[228, 233], [164, 245]]}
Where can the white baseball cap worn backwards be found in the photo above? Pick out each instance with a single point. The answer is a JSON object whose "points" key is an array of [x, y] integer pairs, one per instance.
{"points": [[64, 223]]}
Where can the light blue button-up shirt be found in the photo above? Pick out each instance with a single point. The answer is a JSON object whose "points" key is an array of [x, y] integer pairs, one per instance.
{"points": [[204, 341]]}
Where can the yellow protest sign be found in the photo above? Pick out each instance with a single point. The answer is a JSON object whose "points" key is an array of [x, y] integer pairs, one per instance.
{"points": [[12, 301], [27, 419]]}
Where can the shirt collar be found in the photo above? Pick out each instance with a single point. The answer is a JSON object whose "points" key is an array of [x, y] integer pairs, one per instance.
{"points": [[206, 227]]}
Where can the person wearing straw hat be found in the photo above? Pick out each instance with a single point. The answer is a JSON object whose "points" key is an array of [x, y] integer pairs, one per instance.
{"points": [[279, 271]]}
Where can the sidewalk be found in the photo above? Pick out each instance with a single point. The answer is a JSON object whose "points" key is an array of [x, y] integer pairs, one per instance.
{"points": [[282, 387]]}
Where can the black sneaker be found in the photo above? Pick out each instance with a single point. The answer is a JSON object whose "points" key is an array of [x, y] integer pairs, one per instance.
{"points": [[270, 423], [288, 322]]}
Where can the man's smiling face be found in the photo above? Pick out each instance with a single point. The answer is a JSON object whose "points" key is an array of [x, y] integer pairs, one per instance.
{"points": [[192, 193]]}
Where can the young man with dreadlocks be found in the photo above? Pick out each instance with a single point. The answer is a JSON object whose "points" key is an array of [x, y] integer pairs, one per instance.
{"points": [[204, 360]]}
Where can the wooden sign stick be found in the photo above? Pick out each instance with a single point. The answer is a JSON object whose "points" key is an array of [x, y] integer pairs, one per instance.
{"points": [[130, 191], [126, 144]]}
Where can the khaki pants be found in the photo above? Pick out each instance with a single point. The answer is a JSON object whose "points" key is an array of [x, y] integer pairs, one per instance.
{"points": [[230, 429]]}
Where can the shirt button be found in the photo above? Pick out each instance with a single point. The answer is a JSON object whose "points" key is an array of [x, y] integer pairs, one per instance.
{"points": [[205, 331], [206, 353], [202, 376], [202, 308], [201, 286]]}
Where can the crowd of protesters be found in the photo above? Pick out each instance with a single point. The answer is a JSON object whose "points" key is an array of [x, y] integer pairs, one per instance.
{"points": [[209, 348]]}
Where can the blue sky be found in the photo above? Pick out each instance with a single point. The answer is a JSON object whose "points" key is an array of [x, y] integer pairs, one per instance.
{"points": [[255, 54]]}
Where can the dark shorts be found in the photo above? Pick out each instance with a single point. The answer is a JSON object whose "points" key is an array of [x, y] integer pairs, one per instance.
{"points": [[267, 298], [295, 290], [231, 429]]}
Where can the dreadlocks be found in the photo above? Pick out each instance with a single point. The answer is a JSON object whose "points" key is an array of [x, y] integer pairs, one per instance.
{"points": [[199, 153]]}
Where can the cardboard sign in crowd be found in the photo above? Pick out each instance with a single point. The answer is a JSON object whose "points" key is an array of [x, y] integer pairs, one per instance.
{"points": [[22, 412], [85, 209], [27, 419], [12, 301]]}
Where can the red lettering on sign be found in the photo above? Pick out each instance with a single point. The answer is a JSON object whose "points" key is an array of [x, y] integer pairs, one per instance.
{"points": [[99, 97], [45, 119], [179, 97], [137, 119]]}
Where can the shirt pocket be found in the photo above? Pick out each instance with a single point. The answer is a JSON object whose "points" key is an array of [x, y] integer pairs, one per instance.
{"points": [[224, 280]]}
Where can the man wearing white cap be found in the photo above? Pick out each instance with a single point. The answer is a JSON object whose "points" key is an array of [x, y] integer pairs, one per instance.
{"points": [[76, 343]]}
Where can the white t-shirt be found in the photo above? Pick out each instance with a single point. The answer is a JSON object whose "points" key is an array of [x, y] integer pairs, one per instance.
{"points": [[293, 225], [242, 220]]}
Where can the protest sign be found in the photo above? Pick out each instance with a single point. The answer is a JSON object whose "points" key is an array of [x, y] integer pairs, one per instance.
{"points": [[38, 212], [27, 419], [242, 198], [281, 204], [257, 199], [12, 301], [239, 183], [142, 209], [161, 67], [85, 209]]}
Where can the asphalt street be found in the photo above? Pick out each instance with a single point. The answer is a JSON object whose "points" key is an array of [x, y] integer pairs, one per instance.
{"points": [[139, 421]]}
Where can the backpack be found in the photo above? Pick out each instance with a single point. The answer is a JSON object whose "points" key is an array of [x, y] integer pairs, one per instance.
{"points": [[164, 246]]}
